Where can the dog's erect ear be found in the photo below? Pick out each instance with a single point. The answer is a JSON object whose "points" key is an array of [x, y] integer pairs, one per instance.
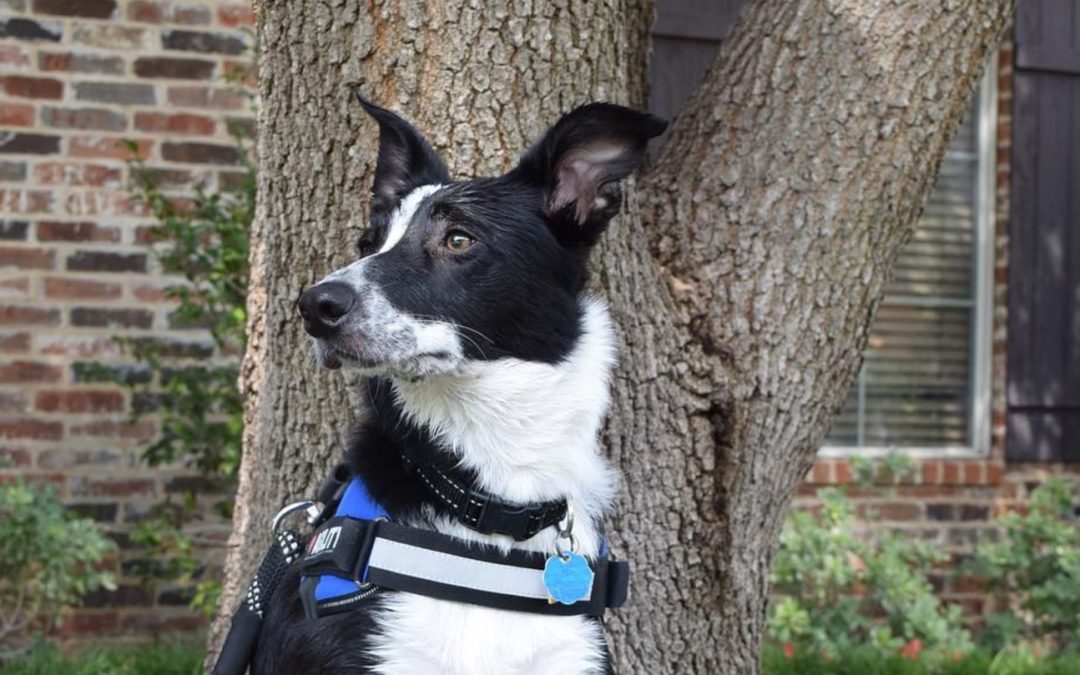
{"points": [[406, 162], [580, 161]]}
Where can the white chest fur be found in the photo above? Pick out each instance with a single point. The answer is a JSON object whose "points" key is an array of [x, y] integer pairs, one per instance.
{"points": [[530, 432]]}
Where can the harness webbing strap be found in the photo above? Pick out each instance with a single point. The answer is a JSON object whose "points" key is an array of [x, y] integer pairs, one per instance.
{"points": [[429, 563]]}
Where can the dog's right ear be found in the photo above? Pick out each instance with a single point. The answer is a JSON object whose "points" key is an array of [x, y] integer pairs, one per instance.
{"points": [[406, 162]]}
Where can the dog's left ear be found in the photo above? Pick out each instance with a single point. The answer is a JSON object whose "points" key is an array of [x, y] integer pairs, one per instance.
{"points": [[580, 161], [406, 162]]}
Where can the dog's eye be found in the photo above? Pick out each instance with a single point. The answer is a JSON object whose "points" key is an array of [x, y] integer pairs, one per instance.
{"points": [[457, 241]]}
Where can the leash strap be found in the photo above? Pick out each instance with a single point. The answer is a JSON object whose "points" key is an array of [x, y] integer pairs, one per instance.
{"points": [[424, 562], [246, 624]]}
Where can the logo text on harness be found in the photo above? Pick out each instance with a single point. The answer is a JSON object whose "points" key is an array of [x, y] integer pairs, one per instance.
{"points": [[325, 540]]}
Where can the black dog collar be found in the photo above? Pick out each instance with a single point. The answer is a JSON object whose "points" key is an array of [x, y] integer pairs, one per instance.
{"points": [[483, 512]]}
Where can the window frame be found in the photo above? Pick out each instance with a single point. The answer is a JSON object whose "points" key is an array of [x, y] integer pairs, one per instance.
{"points": [[982, 352]]}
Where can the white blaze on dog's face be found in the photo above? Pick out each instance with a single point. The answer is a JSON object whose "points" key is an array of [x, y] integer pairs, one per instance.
{"points": [[482, 269]]}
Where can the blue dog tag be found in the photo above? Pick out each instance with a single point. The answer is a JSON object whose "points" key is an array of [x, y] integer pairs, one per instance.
{"points": [[568, 579]]}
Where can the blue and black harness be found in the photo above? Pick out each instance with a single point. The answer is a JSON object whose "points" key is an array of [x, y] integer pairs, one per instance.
{"points": [[356, 549]]}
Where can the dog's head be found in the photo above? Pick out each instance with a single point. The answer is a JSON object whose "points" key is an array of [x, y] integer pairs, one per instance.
{"points": [[479, 269]]}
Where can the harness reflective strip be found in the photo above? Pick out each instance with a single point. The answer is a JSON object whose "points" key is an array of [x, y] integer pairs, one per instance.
{"points": [[452, 570]]}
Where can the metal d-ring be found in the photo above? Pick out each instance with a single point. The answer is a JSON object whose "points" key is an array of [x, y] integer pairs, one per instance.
{"points": [[566, 532], [306, 505]]}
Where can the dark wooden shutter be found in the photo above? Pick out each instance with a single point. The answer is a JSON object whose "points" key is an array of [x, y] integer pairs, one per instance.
{"points": [[686, 36], [1043, 386]]}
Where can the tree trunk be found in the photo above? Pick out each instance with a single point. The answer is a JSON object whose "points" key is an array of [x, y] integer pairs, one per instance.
{"points": [[742, 275]]}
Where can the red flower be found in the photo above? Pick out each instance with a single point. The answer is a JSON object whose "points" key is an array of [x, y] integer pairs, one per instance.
{"points": [[789, 650], [912, 649]]}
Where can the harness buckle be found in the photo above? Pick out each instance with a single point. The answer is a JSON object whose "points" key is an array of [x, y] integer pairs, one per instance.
{"points": [[310, 509]]}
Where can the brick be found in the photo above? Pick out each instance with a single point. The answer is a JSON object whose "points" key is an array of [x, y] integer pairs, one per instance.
{"points": [[171, 68], [14, 342], [206, 97], [149, 11], [128, 595], [237, 180], [25, 29], [141, 430], [101, 317], [26, 258], [200, 153], [87, 9], [16, 114], [160, 623], [13, 55], [86, 623], [971, 512], [13, 230], [78, 175], [241, 72], [106, 261], [29, 144], [16, 458], [177, 348], [14, 402], [32, 87], [78, 346], [12, 286], [79, 401], [25, 201], [120, 93], [898, 511], [162, 178], [243, 127], [111, 36], [84, 118], [124, 373], [29, 372], [112, 487], [181, 123], [68, 288], [31, 429], [77, 231], [236, 15], [102, 513], [11, 315], [81, 63], [12, 171], [202, 42], [151, 293], [941, 512], [108, 147]]}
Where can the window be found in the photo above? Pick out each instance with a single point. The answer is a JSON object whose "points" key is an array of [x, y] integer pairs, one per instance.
{"points": [[924, 387]]}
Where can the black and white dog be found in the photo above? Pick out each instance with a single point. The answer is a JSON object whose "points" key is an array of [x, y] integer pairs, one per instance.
{"points": [[468, 308]]}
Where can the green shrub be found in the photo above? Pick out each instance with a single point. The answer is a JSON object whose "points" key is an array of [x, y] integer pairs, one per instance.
{"points": [[867, 661], [840, 590], [48, 560], [1036, 564], [178, 659]]}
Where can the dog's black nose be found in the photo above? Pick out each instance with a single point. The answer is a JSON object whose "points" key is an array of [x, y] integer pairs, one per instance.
{"points": [[324, 307]]}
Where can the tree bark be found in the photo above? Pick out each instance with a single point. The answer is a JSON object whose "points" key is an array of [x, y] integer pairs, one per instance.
{"points": [[742, 275]]}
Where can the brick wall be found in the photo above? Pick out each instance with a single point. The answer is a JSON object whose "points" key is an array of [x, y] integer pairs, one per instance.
{"points": [[78, 77]]}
